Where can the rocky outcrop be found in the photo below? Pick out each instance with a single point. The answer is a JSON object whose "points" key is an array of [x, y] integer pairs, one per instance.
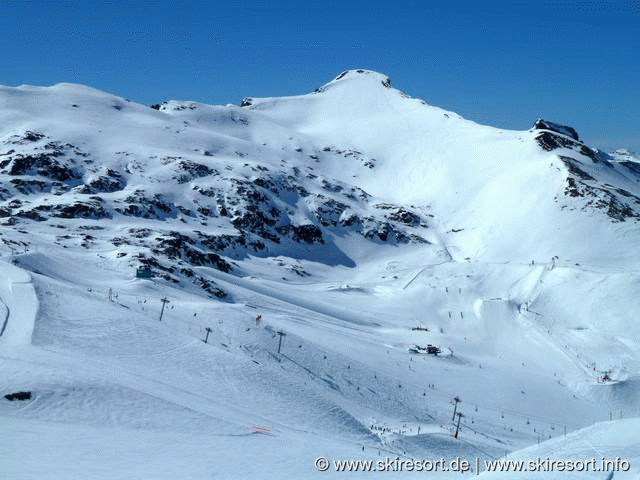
{"points": [[226, 215], [565, 130]]}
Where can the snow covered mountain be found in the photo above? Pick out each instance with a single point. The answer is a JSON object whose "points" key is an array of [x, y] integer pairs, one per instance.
{"points": [[624, 155], [359, 222]]}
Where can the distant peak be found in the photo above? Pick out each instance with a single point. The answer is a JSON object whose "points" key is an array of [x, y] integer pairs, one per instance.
{"points": [[625, 155], [557, 128], [357, 75]]}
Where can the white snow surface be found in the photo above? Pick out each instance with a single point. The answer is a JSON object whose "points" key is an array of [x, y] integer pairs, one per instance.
{"points": [[20, 306], [530, 293]]}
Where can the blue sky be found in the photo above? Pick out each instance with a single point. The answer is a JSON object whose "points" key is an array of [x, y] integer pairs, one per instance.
{"points": [[501, 63]]}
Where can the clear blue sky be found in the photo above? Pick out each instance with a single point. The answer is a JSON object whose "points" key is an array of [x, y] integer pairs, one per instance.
{"points": [[502, 64]]}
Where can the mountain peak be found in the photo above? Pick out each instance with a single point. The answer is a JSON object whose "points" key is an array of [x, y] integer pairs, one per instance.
{"points": [[357, 75], [542, 124]]}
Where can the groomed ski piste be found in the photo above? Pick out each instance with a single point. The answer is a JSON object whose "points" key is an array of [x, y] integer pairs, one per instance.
{"points": [[531, 300], [21, 306]]}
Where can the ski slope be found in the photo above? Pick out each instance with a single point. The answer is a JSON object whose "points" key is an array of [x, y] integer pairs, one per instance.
{"points": [[615, 442], [18, 306], [145, 393]]}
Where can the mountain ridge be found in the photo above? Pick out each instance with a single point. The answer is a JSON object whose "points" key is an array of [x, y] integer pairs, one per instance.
{"points": [[38, 161]]}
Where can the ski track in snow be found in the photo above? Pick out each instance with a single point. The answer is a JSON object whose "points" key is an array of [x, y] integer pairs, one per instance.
{"points": [[21, 304]]}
